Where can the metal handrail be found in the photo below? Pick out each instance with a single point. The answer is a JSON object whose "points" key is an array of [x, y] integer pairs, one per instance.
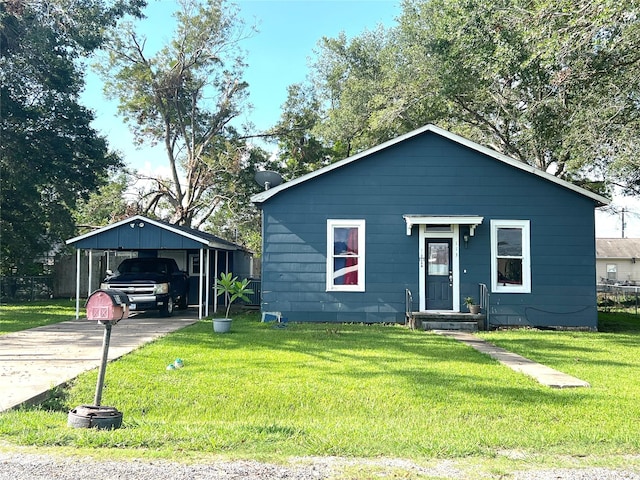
{"points": [[484, 301], [408, 303]]}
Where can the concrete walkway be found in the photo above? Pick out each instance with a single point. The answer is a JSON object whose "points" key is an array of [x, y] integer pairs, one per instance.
{"points": [[34, 361], [543, 374]]}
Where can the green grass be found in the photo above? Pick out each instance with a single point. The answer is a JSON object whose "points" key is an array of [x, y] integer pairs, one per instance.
{"points": [[353, 390], [14, 318]]}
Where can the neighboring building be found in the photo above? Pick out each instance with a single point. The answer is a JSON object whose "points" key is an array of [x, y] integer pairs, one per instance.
{"points": [[438, 215], [618, 261]]}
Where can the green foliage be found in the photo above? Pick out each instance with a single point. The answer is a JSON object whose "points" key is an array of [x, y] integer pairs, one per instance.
{"points": [[49, 154], [238, 220], [357, 78], [525, 78], [619, 323], [300, 150], [233, 289], [107, 204]]}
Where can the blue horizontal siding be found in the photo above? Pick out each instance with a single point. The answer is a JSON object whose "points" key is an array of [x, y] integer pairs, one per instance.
{"points": [[148, 237], [427, 175]]}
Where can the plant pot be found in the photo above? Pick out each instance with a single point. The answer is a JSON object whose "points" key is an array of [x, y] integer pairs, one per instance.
{"points": [[221, 325], [474, 309]]}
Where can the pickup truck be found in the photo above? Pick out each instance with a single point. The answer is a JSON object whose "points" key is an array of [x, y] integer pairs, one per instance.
{"points": [[151, 284]]}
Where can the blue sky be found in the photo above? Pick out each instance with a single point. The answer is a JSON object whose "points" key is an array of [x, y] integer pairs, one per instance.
{"points": [[277, 57]]}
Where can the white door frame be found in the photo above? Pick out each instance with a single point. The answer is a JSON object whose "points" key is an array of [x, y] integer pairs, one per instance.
{"points": [[453, 234]]}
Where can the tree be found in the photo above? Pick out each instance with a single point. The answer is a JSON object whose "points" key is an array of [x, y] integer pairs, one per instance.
{"points": [[530, 79], [185, 97], [238, 220], [299, 150], [49, 154], [554, 83], [108, 204], [355, 83]]}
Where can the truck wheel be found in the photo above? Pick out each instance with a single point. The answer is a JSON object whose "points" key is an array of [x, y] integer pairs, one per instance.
{"points": [[184, 302], [167, 310]]}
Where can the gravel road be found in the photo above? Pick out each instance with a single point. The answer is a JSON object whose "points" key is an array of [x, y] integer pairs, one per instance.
{"points": [[19, 466]]}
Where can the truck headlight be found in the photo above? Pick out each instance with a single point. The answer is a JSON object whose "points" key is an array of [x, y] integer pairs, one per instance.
{"points": [[104, 286], [161, 288]]}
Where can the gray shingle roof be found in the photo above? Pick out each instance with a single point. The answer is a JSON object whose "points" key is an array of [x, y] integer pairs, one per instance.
{"points": [[617, 247]]}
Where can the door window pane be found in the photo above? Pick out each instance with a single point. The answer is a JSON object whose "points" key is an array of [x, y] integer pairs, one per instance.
{"points": [[438, 259]]}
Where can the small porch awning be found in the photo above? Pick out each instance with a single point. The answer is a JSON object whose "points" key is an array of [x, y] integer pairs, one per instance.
{"points": [[472, 220]]}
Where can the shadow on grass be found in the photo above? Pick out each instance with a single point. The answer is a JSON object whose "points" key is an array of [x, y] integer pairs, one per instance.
{"points": [[54, 400]]}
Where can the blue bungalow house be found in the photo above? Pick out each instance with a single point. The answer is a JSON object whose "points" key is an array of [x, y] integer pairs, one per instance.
{"points": [[421, 222]]}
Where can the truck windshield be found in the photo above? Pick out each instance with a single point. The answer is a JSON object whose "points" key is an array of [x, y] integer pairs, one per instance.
{"points": [[143, 267]]}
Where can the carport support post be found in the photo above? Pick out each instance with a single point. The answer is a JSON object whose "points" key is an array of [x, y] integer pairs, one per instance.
{"points": [[77, 284], [208, 283], [103, 364], [215, 282], [200, 284], [90, 256]]}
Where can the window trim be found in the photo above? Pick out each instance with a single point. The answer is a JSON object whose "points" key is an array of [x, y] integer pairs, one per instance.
{"points": [[332, 224], [525, 226]]}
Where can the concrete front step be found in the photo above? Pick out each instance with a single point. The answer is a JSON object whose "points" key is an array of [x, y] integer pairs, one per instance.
{"points": [[457, 321], [460, 326]]}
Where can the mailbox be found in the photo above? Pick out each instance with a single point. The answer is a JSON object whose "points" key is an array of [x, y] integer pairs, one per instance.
{"points": [[108, 306]]}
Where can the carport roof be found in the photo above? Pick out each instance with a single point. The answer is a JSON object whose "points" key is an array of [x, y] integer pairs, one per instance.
{"points": [[131, 234]]}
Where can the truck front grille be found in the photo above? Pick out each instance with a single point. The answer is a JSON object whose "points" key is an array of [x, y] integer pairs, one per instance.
{"points": [[138, 289]]}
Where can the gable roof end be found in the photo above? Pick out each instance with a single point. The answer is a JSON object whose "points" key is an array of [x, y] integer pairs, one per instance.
{"points": [[599, 200], [206, 239]]}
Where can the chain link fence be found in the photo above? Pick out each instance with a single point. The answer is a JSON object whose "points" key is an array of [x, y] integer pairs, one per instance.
{"points": [[619, 298]]}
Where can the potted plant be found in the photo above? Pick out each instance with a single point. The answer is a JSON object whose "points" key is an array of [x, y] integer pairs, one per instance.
{"points": [[232, 289], [472, 306]]}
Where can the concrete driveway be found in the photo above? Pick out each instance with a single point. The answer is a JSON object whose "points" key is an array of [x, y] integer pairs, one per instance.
{"points": [[34, 361]]}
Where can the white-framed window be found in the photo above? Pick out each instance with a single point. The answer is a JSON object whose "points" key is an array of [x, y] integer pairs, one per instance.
{"points": [[612, 271], [510, 256], [345, 255]]}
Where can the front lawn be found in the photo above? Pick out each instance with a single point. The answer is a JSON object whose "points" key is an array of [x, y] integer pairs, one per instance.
{"points": [[21, 316], [352, 390]]}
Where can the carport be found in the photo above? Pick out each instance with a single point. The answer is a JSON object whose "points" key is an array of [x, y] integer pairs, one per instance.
{"points": [[201, 254]]}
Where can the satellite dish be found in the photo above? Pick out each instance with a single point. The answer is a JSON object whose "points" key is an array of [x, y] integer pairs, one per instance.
{"points": [[268, 179]]}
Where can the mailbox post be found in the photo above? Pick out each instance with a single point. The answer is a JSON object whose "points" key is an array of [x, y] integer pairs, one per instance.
{"points": [[108, 307]]}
